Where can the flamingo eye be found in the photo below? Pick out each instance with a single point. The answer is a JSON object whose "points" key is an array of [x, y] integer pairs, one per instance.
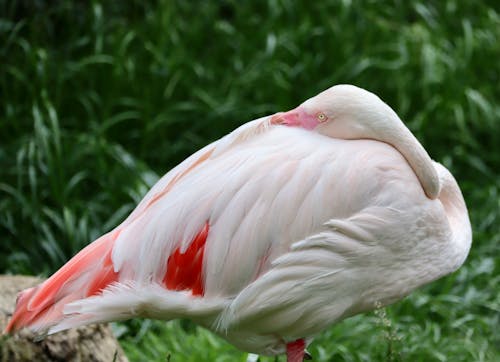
{"points": [[321, 117]]}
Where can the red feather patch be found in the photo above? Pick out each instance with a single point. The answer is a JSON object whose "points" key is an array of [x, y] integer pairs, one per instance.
{"points": [[184, 270]]}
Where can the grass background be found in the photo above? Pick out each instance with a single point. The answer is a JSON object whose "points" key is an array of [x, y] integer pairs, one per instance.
{"points": [[100, 98]]}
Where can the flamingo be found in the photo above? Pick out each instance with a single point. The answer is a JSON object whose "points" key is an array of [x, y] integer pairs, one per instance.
{"points": [[290, 223]]}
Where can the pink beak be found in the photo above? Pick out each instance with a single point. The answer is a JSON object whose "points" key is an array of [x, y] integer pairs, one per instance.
{"points": [[290, 118], [295, 118]]}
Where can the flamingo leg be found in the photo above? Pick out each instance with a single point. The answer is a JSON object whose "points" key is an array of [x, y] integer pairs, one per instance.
{"points": [[296, 351]]}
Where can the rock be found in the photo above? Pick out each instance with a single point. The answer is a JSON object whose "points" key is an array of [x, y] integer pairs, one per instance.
{"points": [[93, 343]]}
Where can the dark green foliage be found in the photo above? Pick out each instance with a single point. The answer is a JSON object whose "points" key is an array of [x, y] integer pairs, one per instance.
{"points": [[99, 98]]}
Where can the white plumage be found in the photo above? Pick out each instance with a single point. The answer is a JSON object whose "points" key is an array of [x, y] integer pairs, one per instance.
{"points": [[306, 225]]}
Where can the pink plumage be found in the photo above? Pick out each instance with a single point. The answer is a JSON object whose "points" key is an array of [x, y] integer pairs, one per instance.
{"points": [[269, 235]]}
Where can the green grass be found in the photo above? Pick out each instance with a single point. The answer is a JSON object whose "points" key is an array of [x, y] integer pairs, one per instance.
{"points": [[98, 99]]}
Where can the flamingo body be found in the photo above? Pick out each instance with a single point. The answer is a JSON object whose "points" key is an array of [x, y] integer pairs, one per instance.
{"points": [[267, 236]]}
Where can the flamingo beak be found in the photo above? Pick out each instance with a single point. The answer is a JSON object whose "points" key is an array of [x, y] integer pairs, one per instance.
{"points": [[290, 118], [294, 118]]}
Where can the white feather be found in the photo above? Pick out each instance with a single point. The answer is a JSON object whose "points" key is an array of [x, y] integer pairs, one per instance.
{"points": [[304, 230]]}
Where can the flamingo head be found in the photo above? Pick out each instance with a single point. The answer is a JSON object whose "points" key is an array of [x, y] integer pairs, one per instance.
{"points": [[343, 111]]}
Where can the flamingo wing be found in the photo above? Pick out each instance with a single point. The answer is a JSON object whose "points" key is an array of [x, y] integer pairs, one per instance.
{"points": [[92, 270], [245, 214]]}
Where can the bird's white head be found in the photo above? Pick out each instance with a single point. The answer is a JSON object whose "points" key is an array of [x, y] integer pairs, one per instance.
{"points": [[348, 112]]}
